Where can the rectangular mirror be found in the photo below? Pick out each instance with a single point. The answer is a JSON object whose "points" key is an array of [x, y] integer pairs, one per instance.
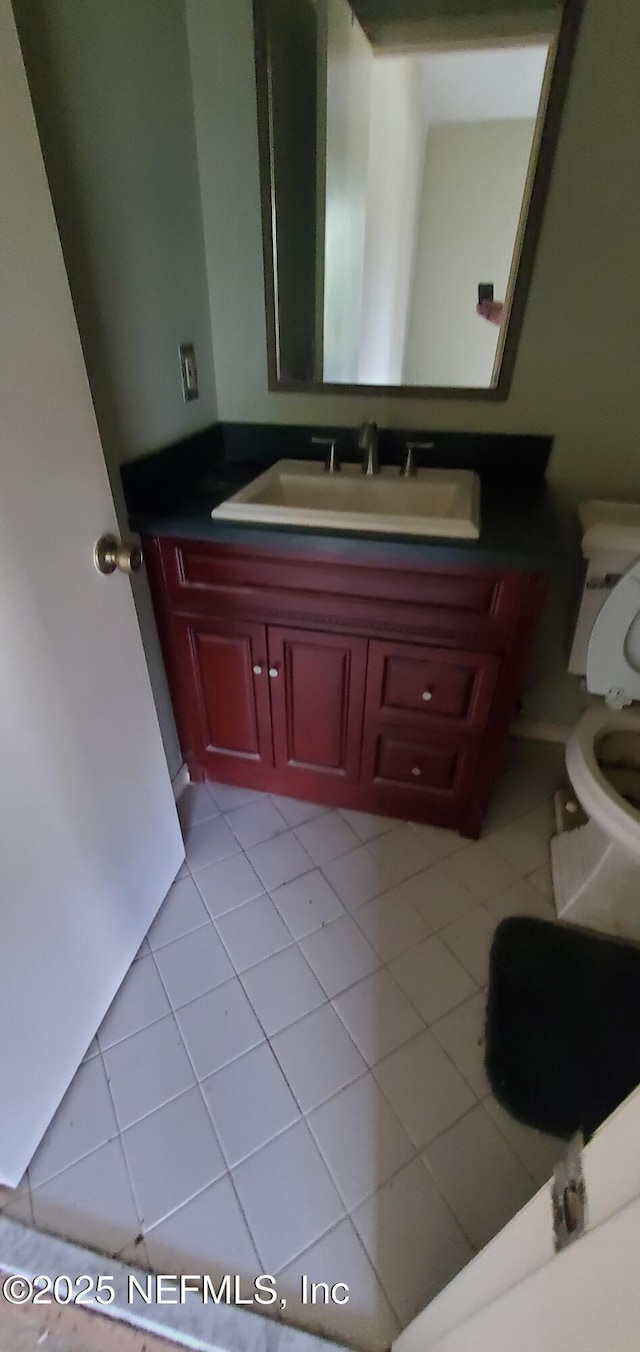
{"points": [[405, 154]]}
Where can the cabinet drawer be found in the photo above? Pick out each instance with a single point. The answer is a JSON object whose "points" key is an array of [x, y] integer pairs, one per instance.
{"points": [[437, 767], [430, 687], [465, 606]]}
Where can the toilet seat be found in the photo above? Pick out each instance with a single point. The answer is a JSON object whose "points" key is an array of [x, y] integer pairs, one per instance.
{"points": [[597, 795], [611, 670], [596, 865]]}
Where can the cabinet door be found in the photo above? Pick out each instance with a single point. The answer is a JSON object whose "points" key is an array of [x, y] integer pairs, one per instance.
{"points": [[317, 698], [225, 691]]}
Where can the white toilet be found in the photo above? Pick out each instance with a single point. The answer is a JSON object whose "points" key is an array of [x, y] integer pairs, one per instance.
{"points": [[596, 867]]}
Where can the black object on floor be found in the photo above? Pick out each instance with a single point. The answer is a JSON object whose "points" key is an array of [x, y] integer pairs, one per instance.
{"points": [[563, 1024]]}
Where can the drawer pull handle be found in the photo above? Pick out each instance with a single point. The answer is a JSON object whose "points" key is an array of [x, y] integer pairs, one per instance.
{"points": [[427, 695], [257, 670], [273, 672], [416, 771]]}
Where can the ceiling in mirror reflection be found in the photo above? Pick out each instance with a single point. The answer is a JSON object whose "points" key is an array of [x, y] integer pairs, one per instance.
{"points": [[397, 22], [482, 84], [398, 186]]}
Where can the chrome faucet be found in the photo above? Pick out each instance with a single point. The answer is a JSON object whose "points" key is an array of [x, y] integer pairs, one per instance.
{"points": [[332, 463], [368, 443]]}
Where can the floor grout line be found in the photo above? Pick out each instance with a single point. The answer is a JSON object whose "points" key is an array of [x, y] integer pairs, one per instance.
{"points": [[304, 1115], [230, 1170], [228, 1173]]}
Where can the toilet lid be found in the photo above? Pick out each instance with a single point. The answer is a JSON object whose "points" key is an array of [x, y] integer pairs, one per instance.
{"points": [[613, 654]]}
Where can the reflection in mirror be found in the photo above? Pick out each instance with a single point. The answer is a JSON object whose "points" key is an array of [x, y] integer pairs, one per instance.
{"points": [[399, 147]]}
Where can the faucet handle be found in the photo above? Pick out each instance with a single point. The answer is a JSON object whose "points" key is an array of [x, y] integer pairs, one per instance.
{"points": [[368, 443], [332, 462], [367, 433], [409, 467]]}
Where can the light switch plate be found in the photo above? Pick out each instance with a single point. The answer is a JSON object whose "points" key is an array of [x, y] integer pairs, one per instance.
{"points": [[188, 371]]}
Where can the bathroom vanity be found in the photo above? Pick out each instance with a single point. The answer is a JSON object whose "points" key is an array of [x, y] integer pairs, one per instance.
{"points": [[371, 671], [340, 679]]}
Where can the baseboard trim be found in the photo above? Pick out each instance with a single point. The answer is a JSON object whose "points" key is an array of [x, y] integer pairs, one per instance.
{"points": [[533, 731], [180, 781]]}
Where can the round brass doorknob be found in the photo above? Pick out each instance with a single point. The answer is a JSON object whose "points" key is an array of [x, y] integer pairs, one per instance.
{"points": [[111, 553]]}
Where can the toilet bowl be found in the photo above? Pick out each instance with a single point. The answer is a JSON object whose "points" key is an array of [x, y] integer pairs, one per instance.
{"points": [[596, 867]]}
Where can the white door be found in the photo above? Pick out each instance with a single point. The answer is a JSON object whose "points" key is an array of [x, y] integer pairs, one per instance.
{"points": [[89, 836], [519, 1294]]}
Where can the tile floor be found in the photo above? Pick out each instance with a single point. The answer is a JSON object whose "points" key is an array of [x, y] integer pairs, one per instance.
{"points": [[291, 1077]]}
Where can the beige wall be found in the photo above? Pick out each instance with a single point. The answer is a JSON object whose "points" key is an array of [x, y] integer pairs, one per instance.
{"points": [[348, 117], [576, 374], [474, 179], [396, 158], [111, 88]]}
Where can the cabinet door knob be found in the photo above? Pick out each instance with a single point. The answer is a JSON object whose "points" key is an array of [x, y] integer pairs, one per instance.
{"points": [[416, 771], [427, 695], [257, 670], [273, 672]]}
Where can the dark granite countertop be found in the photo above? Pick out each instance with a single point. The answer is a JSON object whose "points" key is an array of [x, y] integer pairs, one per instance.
{"points": [[521, 527]]}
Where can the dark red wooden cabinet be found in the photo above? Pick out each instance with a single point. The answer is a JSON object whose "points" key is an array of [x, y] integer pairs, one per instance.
{"points": [[389, 690]]}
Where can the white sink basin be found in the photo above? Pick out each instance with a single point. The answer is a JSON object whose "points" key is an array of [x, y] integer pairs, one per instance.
{"points": [[444, 502]]}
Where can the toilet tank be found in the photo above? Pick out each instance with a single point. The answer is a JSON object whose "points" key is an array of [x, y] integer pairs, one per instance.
{"points": [[610, 545]]}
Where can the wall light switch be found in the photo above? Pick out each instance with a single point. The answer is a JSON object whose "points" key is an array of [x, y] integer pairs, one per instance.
{"points": [[189, 372]]}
